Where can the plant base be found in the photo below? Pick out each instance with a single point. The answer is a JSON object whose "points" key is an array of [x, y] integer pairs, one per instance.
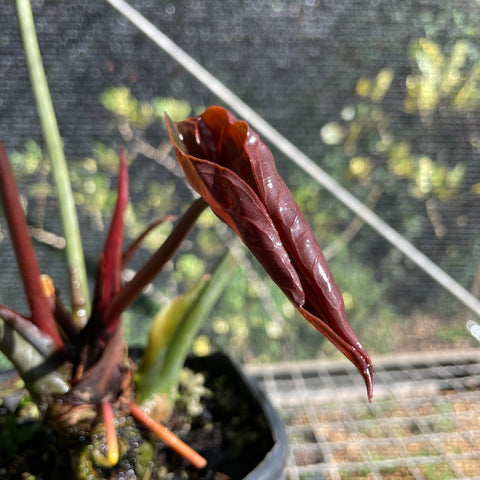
{"points": [[237, 431]]}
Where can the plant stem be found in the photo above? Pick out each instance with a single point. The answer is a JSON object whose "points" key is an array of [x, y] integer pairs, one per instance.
{"points": [[41, 373], [129, 293], [53, 141], [41, 313], [130, 251]]}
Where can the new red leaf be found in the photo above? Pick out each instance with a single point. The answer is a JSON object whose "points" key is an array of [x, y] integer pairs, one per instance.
{"points": [[228, 165], [110, 264]]}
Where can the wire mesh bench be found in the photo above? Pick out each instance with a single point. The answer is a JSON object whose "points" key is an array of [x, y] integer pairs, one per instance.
{"points": [[423, 423]]}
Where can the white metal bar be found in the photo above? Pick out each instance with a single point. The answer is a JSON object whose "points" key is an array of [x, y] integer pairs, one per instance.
{"points": [[291, 151]]}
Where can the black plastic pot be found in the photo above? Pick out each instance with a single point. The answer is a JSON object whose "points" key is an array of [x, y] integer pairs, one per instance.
{"points": [[274, 454]]}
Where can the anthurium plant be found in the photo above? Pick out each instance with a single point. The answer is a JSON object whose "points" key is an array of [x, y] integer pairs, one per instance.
{"points": [[80, 376], [74, 361]]}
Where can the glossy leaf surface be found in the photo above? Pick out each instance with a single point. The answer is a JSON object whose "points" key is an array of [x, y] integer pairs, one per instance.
{"points": [[228, 165]]}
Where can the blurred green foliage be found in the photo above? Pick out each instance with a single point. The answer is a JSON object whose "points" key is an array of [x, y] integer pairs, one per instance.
{"points": [[384, 143], [412, 164], [453, 79]]}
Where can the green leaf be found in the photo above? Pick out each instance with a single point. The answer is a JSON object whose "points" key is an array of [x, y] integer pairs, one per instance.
{"points": [[174, 331]]}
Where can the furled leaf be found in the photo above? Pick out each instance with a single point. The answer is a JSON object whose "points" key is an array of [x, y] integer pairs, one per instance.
{"points": [[110, 264], [235, 202], [175, 329], [228, 165]]}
